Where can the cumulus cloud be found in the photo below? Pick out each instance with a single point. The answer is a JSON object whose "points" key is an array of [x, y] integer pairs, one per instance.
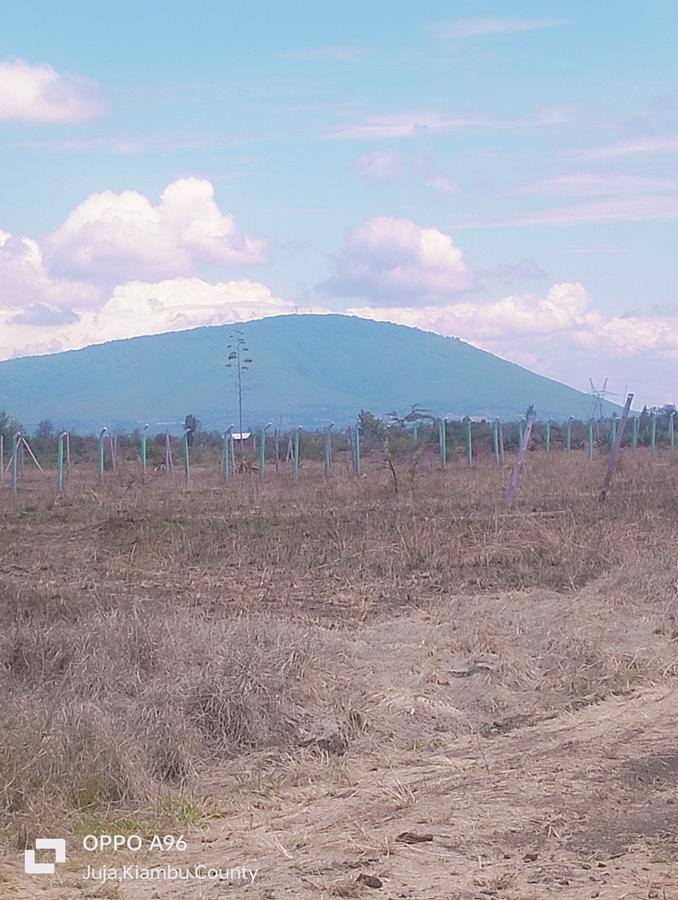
{"points": [[124, 236], [560, 334], [25, 281], [38, 93], [386, 258], [138, 308]]}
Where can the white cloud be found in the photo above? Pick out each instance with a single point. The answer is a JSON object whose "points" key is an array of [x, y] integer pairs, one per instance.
{"points": [[561, 335], [138, 308], [598, 184], [631, 208], [386, 258], [483, 25], [407, 124], [113, 236], [637, 147], [37, 93], [381, 165], [24, 280]]}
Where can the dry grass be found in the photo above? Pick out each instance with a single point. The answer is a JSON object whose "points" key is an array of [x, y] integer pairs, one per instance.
{"points": [[149, 632]]}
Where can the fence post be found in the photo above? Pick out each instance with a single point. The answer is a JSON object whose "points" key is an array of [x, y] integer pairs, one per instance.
{"points": [[2, 458], [634, 435], [60, 462], [672, 430], [495, 441], [16, 438], [327, 454], [102, 453], [521, 432], [262, 449], [226, 446], [607, 481], [469, 443], [415, 434], [590, 438], [568, 438], [356, 450], [187, 456], [295, 452], [613, 432], [144, 449], [517, 466], [442, 442], [548, 436], [653, 432]]}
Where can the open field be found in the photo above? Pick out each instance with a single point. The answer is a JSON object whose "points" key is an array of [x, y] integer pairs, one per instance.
{"points": [[293, 675]]}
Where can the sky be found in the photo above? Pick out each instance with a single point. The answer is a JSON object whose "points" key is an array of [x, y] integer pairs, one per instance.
{"points": [[504, 172]]}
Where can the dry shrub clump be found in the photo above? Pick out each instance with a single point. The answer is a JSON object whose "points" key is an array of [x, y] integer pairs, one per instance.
{"points": [[106, 709]]}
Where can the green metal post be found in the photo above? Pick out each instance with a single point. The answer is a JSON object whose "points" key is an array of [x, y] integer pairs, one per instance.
{"points": [[262, 449], [614, 431], [60, 463], [653, 433], [16, 438], [187, 457], [634, 432], [548, 436], [469, 443], [568, 438], [225, 461], [415, 434], [495, 441], [144, 449], [102, 454], [328, 449], [442, 442], [295, 452], [521, 432], [591, 439], [356, 451], [672, 430]]}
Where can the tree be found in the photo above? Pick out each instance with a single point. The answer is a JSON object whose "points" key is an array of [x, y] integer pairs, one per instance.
{"points": [[45, 430], [191, 425], [8, 425], [239, 359]]}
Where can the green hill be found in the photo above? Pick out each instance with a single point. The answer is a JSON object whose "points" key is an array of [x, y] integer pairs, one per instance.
{"points": [[307, 370]]}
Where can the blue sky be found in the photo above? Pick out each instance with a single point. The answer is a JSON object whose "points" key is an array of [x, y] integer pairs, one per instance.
{"points": [[506, 172]]}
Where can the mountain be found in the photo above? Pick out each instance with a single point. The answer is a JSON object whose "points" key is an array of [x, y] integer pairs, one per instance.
{"points": [[307, 369]]}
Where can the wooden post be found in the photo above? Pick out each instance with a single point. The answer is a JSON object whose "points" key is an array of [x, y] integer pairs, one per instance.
{"points": [[607, 481], [515, 474]]}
